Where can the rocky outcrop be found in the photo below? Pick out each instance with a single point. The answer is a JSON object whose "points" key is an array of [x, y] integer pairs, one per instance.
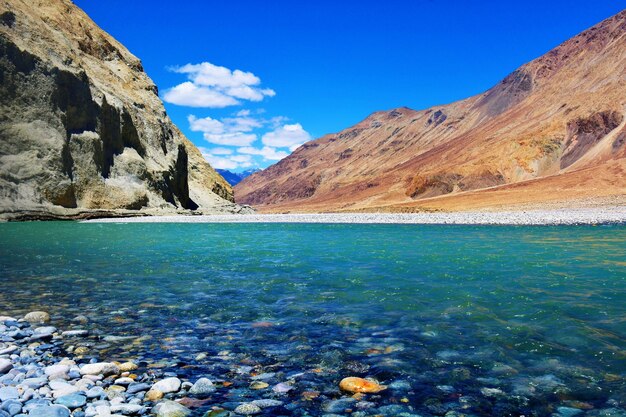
{"points": [[82, 129], [555, 125]]}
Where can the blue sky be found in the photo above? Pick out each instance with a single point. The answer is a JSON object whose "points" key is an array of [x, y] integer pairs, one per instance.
{"points": [[248, 81]]}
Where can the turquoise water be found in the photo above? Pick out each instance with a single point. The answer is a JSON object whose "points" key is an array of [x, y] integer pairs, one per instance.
{"points": [[438, 312]]}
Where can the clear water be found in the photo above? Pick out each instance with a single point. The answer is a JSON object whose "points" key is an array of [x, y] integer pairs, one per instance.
{"points": [[438, 312]]}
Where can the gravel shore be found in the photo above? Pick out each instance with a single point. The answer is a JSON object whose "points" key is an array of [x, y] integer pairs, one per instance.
{"points": [[529, 217]]}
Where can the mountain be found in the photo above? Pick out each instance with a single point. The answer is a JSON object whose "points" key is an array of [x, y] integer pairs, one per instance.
{"points": [[82, 129], [552, 132], [234, 178]]}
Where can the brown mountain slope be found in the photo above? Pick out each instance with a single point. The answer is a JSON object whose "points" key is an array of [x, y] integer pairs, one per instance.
{"points": [[82, 128], [555, 127]]}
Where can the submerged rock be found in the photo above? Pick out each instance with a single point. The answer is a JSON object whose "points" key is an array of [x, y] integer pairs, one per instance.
{"points": [[203, 386], [167, 385], [248, 409], [170, 409], [355, 384], [37, 317]]}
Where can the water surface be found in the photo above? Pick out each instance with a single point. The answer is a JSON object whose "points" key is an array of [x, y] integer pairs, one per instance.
{"points": [[484, 320]]}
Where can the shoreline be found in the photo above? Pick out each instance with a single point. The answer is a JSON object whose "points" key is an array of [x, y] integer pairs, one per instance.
{"points": [[583, 216]]}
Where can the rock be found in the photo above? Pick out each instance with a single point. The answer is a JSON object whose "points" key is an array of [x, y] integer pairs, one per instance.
{"points": [[45, 330], [259, 385], [124, 381], [75, 333], [81, 319], [62, 388], [355, 384], [12, 407], [124, 154], [170, 409], [339, 406], [491, 392], [136, 387], [81, 350], [153, 395], [5, 366], [203, 386], [568, 411], [127, 366], [167, 385], [37, 317], [95, 392], [128, 409], [115, 391], [267, 403], [9, 393], [282, 388], [56, 371], [100, 368], [248, 409], [50, 411], [72, 401]]}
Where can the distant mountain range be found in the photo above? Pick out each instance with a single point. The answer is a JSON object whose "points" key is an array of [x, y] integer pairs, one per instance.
{"points": [[234, 178], [553, 131]]}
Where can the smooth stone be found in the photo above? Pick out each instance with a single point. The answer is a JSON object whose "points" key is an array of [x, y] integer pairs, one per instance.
{"points": [[170, 409], [37, 317], [248, 409], [568, 411], [32, 404], [256, 385], [128, 409], [8, 350], [124, 381], [266, 403], [355, 384], [128, 366], [55, 370], [75, 333], [95, 392], [136, 387], [282, 387], [153, 395], [35, 383], [5, 366], [65, 390], [50, 411], [202, 386], [104, 368], [9, 393], [72, 401], [45, 330], [12, 407], [338, 406], [167, 385]]}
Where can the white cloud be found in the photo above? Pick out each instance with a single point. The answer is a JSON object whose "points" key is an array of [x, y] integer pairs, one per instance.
{"points": [[191, 95], [218, 161], [221, 151], [266, 152], [213, 86], [231, 139], [232, 131], [286, 136]]}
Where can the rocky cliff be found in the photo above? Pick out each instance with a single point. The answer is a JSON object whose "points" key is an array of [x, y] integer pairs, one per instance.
{"points": [[82, 129], [552, 131]]}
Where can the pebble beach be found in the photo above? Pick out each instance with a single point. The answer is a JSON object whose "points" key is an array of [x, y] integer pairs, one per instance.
{"points": [[529, 217]]}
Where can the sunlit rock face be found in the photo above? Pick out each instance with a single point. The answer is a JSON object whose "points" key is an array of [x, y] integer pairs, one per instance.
{"points": [[82, 128]]}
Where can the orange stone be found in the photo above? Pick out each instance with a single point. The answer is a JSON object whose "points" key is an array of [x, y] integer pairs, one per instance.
{"points": [[354, 384]]}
